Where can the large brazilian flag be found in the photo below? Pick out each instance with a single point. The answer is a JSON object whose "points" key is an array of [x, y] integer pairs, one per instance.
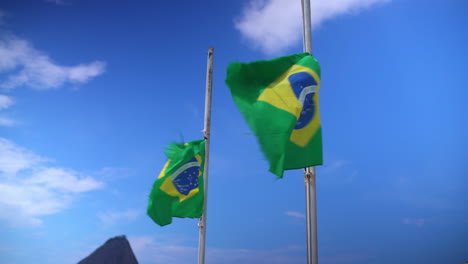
{"points": [[178, 191], [279, 100]]}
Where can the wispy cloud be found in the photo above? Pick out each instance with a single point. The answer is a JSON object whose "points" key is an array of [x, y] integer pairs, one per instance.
{"points": [[23, 65], [111, 218], [276, 25], [29, 188], [5, 121], [58, 2], [418, 222], [336, 164], [14, 158], [161, 249], [337, 171], [151, 249], [350, 258], [2, 16], [192, 108], [295, 214], [5, 101], [417, 192], [114, 173]]}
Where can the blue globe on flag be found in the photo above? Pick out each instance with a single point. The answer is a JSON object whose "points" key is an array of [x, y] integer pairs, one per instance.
{"points": [[304, 87], [185, 178]]}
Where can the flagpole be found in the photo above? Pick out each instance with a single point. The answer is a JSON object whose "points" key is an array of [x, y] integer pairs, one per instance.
{"points": [[307, 32], [309, 173], [206, 134]]}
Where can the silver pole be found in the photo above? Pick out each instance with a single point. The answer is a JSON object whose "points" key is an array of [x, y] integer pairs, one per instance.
{"points": [[206, 132], [311, 215], [309, 173], [306, 29]]}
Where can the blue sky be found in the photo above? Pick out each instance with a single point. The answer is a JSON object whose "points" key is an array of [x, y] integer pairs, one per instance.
{"points": [[91, 92]]}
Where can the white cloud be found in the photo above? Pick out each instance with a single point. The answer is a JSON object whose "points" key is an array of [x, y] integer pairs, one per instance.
{"points": [[337, 171], [149, 249], [25, 66], [139, 243], [5, 101], [152, 249], [57, 2], [5, 121], [417, 192], [347, 258], [29, 188], [14, 158], [114, 173], [2, 15], [112, 217], [295, 214], [337, 164], [64, 180], [419, 222], [276, 25]]}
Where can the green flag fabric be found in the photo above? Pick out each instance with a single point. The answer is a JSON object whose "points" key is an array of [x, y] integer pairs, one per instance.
{"points": [[279, 100], [178, 191]]}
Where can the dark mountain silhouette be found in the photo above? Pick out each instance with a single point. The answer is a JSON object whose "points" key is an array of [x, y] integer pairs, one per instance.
{"points": [[116, 250]]}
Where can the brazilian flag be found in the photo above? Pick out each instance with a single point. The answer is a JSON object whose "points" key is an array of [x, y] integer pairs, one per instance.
{"points": [[178, 191], [279, 100]]}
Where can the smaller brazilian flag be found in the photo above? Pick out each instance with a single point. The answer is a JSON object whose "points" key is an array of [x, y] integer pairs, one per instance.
{"points": [[178, 191], [279, 100]]}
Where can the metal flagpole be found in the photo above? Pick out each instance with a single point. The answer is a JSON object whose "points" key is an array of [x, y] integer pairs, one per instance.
{"points": [[307, 32], [309, 173], [206, 132], [311, 213]]}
